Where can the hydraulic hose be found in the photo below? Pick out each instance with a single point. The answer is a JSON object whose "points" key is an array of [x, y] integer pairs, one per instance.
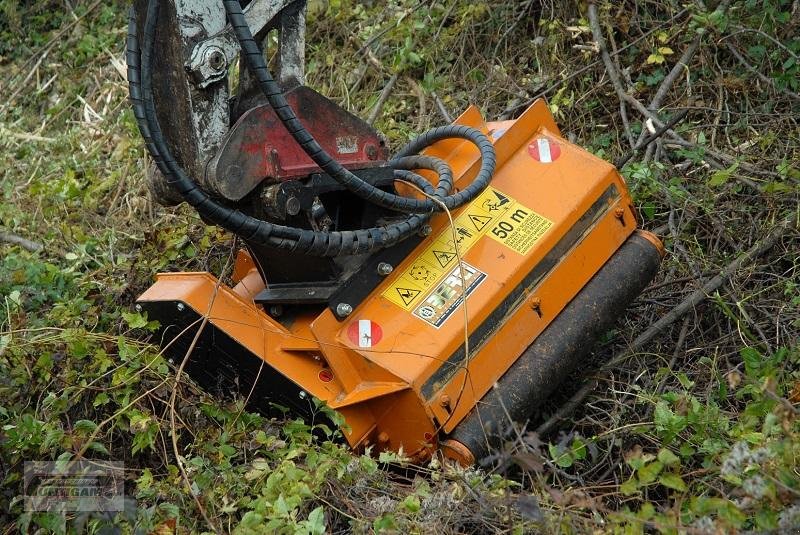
{"points": [[252, 229], [257, 66], [304, 241]]}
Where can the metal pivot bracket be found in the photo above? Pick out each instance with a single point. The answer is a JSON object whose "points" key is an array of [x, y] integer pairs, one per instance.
{"points": [[209, 59], [196, 46]]}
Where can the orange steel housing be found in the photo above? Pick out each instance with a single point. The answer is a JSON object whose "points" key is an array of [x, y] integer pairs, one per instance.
{"points": [[402, 393]]}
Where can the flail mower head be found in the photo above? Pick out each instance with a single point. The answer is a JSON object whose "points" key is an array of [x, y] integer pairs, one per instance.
{"points": [[353, 286]]}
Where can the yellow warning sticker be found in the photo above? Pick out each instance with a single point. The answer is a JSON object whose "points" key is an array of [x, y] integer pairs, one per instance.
{"points": [[520, 228], [440, 256], [493, 213]]}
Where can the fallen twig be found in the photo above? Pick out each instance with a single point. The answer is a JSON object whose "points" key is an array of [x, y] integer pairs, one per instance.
{"points": [[666, 84], [387, 90], [766, 79], [683, 307], [611, 69], [26, 244], [440, 107], [637, 104], [643, 143]]}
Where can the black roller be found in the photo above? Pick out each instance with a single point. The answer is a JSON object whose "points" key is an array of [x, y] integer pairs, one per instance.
{"points": [[561, 348]]}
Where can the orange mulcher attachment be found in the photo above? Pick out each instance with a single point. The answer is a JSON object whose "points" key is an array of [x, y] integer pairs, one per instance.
{"points": [[425, 333], [550, 257]]}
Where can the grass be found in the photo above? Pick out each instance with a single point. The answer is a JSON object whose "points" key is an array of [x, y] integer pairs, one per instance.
{"points": [[695, 432]]}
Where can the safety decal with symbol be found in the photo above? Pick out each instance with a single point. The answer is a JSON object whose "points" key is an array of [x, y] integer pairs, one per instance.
{"points": [[445, 299], [412, 281], [544, 150], [364, 333], [407, 294], [444, 257], [479, 221]]}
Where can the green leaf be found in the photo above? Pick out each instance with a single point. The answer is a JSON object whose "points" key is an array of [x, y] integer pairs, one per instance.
{"points": [[97, 446], [389, 457], [578, 449], [668, 458], [672, 481], [227, 450], [753, 437], [85, 426], [316, 521], [145, 481], [718, 178], [647, 511], [561, 457], [383, 523], [667, 421], [732, 514], [752, 361], [630, 487], [648, 473], [134, 320], [685, 381], [655, 58], [411, 503], [101, 399]]}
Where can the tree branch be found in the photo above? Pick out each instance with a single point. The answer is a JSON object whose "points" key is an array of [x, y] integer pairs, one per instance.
{"points": [[26, 244]]}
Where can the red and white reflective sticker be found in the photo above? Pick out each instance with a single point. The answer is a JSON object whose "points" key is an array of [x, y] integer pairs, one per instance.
{"points": [[544, 150], [364, 333]]}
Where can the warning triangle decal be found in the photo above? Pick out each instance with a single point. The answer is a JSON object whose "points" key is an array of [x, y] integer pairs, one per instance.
{"points": [[408, 294], [502, 199], [444, 257], [479, 221]]}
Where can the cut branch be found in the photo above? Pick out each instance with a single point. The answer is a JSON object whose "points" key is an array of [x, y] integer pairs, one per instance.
{"points": [[387, 90], [32, 246]]}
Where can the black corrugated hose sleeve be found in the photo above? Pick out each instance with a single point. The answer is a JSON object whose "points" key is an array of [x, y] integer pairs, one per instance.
{"points": [[258, 68], [300, 240]]}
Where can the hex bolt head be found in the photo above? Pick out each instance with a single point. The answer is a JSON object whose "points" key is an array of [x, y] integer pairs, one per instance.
{"points": [[425, 230], [344, 310], [181, 307], [292, 205], [138, 307], [216, 60], [372, 151], [384, 268], [303, 394]]}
